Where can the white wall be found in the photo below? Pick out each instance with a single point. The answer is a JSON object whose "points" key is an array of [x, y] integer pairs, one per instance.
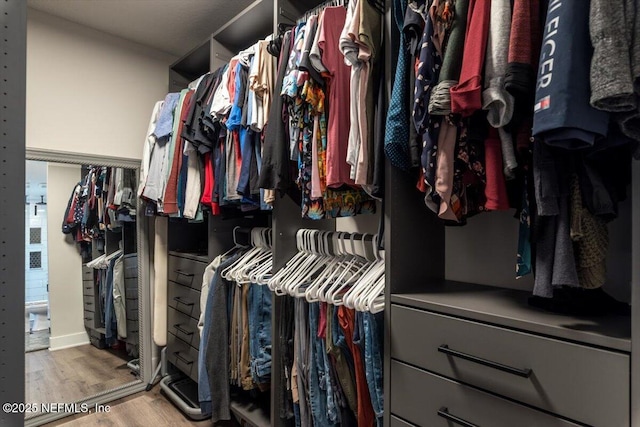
{"points": [[87, 91], [65, 264]]}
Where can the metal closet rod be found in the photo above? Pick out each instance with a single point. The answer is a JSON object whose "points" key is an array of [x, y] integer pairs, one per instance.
{"points": [[316, 10]]}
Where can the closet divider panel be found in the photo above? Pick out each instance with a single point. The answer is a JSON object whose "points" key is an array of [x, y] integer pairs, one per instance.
{"points": [[635, 296], [13, 29]]}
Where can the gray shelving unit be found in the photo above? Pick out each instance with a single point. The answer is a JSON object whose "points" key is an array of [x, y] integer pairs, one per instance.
{"points": [[481, 353]]}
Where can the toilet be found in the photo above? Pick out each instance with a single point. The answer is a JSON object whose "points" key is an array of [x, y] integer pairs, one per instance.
{"points": [[37, 314]]}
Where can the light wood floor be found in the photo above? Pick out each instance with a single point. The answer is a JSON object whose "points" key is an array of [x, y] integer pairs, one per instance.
{"points": [[142, 409], [70, 374]]}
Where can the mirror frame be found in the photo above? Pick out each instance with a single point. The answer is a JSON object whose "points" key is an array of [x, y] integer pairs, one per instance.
{"points": [[147, 347]]}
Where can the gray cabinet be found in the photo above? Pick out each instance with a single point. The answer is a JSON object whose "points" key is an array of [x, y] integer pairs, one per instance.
{"points": [[91, 301], [184, 289], [549, 374], [482, 352]]}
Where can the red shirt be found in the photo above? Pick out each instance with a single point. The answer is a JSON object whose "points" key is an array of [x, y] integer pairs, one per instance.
{"points": [[338, 88]]}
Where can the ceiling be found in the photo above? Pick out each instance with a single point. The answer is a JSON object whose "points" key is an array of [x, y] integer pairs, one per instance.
{"points": [[171, 26]]}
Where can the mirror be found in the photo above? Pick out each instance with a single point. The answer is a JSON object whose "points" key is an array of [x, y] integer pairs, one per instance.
{"points": [[83, 316]]}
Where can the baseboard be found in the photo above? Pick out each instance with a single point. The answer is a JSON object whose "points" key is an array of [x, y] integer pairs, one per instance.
{"points": [[68, 341]]}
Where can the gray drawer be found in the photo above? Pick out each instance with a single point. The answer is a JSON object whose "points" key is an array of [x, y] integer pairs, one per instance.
{"points": [[417, 396], [88, 288], [89, 319], [397, 422], [89, 303], [87, 273], [132, 326], [182, 356], [186, 271], [131, 293], [130, 262], [131, 283], [132, 312], [184, 327], [184, 299], [132, 338], [566, 379]]}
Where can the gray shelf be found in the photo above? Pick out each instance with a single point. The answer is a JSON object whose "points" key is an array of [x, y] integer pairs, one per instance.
{"points": [[195, 62], [509, 308], [253, 23]]}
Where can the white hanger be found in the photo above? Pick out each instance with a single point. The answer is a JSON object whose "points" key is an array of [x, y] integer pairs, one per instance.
{"points": [[283, 276], [363, 286], [299, 280], [330, 263], [356, 268]]}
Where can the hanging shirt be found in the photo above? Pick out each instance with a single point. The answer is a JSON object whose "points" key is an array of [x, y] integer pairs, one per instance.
{"points": [[147, 149], [563, 115], [338, 170], [396, 138]]}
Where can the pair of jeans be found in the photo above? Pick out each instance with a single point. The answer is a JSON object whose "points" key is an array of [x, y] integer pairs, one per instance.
{"points": [[321, 392], [286, 332], [260, 333], [344, 363], [109, 313], [302, 361], [317, 391], [373, 336]]}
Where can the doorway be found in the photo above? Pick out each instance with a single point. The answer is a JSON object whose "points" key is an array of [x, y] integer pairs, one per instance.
{"points": [[37, 320]]}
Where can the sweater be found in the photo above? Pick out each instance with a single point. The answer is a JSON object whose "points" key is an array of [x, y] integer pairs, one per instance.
{"points": [[611, 77], [495, 99]]}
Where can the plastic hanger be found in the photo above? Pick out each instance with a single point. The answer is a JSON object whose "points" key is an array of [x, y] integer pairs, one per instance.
{"points": [[331, 264], [350, 270], [298, 282], [274, 283], [367, 281]]}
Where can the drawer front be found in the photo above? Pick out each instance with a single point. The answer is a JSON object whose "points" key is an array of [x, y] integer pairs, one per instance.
{"points": [[87, 273], [88, 288], [186, 271], [89, 319], [582, 383], [131, 293], [418, 396], [132, 326], [184, 327], [89, 303], [131, 283], [133, 338], [130, 266], [184, 299], [182, 356], [132, 312], [397, 422]]}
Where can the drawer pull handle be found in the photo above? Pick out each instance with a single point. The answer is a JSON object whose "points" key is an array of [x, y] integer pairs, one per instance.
{"points": [[182, 273], [182, 359], [444, 413], [524, 373], [179, 299], [180, 329], [88, 318]]}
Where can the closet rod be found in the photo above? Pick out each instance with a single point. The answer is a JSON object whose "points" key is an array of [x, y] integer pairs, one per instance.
{"points": [[316, 10]]}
